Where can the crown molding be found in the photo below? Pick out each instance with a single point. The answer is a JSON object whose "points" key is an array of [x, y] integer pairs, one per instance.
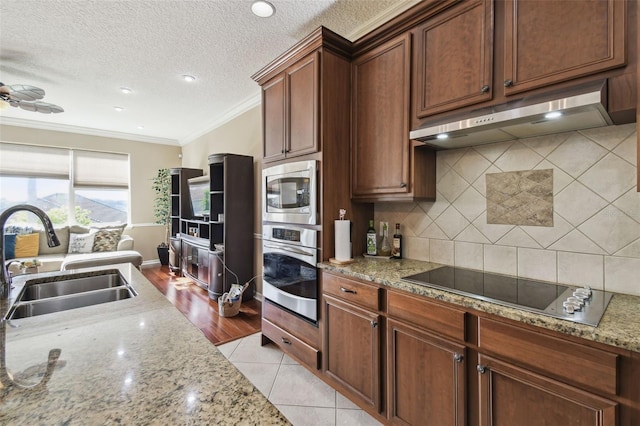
{"points": [[383, 18], [234, 112], [21, 122]]}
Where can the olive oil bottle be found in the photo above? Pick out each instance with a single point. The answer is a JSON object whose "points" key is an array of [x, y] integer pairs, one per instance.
{"points": [[372, 244]]}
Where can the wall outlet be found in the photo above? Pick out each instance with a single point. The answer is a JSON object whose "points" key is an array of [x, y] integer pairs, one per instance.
{"points": [[382, 228]]}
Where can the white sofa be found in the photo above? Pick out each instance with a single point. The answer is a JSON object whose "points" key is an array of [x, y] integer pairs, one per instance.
{"points": [[59, 259]]}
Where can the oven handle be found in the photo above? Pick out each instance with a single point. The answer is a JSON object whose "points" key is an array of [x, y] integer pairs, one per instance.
{"points": [[289, 249]]}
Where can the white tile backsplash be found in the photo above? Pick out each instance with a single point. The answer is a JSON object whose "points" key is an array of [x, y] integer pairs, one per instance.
{"points": [[595, 237], [622, 275], [538, 264], [501, 259], [441, 251], [469, 255], [581, 269]]}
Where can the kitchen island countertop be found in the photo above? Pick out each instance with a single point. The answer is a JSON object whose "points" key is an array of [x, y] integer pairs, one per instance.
{"points": [[619, 327], [134, 361]]}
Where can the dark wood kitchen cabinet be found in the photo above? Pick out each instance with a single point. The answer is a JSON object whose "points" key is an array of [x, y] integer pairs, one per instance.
{"points": [[561, 41], [426, 361], [510, 396], [452, 58], [525, 374], [427, 377], [385, 164], [290, 111], [352, 343]]}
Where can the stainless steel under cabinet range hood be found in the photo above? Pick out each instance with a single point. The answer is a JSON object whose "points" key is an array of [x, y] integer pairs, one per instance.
{"points": [[575, 109]]}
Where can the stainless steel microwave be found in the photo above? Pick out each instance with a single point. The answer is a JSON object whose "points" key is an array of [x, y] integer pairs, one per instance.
{"points": [[289, 193]]}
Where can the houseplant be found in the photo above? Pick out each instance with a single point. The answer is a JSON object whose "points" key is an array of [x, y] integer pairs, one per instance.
{"points": [[162, 210]]}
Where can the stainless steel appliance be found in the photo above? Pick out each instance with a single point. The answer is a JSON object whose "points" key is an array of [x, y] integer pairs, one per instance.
{"points": [[576, 108], [575, 304], [290, 277], [289, 193]]}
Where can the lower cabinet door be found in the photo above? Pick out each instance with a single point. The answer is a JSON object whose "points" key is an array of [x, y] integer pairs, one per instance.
{"points": [[510, 396], [353, 349], [426, 378]]}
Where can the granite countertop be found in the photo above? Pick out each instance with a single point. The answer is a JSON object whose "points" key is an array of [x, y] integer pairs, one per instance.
{"points": [[619, 327], [134, 361]]}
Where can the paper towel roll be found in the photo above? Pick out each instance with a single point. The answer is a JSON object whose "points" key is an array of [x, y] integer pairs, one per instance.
{"points": [[343, 239]]}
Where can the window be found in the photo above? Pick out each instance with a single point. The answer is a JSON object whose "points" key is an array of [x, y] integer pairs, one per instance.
{"points": [[93, 186]]}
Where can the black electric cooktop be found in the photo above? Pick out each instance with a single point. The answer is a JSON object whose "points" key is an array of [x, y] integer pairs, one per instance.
{"points": [[526, 294]]}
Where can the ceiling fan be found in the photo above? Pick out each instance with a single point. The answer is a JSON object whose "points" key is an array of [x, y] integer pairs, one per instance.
{"points": [[27, 98]]}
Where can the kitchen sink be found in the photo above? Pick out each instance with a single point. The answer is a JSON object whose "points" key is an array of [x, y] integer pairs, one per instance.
{"points": [[36, 291], [63, 292]]}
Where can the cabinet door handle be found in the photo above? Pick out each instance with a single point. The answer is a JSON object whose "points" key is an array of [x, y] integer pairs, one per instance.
{"points": [[403, 185], [481, 368], [348, 290], [508, 83], [484, 89], [374, 324], [457, 357], [285, 341], [282, 151]]}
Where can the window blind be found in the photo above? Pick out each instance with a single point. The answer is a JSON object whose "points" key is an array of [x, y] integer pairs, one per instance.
{"points": [[100, 169], [33, 161]]}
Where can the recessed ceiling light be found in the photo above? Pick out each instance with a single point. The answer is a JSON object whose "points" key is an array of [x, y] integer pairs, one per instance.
{"points": [[263, 9], [118, 108], [126, 90], [443, 136], [140, 127], [188, 78]]}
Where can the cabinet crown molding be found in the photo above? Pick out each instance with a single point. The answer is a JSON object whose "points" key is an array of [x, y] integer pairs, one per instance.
{"points": [[322, 37]]}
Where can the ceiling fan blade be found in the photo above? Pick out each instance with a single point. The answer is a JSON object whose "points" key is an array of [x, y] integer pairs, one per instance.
{"points": [[26, 93], [42, 107]]}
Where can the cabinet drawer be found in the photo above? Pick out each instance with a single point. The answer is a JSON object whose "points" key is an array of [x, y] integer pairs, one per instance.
{"points": [[352, 291], [565, 360], [300, 328], [431, 316], [291, 344]]}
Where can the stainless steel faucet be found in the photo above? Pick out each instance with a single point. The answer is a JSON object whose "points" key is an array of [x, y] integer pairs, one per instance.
{"points": [[52, 241]]}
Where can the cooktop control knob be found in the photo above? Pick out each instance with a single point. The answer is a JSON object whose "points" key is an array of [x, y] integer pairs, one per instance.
{"points": [[575, 300], [571, 306], [586, 291]]}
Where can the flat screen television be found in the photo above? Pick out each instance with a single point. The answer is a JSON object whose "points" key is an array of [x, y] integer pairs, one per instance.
{"points": [[199, 195]]}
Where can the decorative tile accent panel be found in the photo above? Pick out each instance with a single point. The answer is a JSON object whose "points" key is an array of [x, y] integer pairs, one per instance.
{"points": [[520, 198], [595, 210]]}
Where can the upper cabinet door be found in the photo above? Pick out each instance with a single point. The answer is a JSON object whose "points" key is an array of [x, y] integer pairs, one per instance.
{"points": [[303, 85], [452, 59], [380, 119], [553, 41], [274, 117]]}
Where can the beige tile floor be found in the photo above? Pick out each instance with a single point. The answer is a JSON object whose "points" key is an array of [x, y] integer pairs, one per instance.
{"points": [[299, 395]]}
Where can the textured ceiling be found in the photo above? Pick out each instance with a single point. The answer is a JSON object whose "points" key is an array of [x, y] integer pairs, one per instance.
{"points": [[81, 52]]}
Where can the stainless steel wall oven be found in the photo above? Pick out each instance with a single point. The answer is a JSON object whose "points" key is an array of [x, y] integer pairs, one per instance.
{"points": [[290, 256]]}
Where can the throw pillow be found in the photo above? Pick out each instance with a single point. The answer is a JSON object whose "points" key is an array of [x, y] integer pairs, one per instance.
{"points": [[9, 246], [27, 245], [107, 239], [63, 236], [81, 243]]}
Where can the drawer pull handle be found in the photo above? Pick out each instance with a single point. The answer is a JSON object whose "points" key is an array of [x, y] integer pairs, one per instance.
{"points": [[347, 290], [481, 369], [285, 341]]}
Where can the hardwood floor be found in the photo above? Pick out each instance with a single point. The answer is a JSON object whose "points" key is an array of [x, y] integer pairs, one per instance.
{"points": [[194, 303]]}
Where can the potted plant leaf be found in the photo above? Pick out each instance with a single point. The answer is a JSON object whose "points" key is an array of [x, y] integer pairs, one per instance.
{"points": [[162, 210]]}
